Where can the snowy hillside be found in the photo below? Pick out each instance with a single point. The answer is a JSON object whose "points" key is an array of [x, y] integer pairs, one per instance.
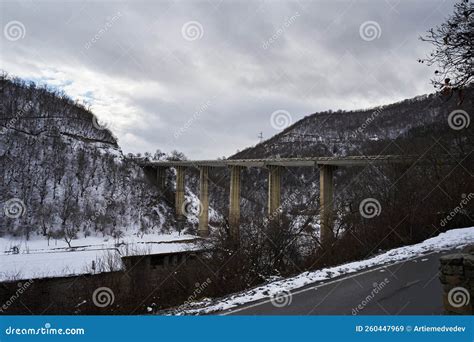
{"points": [[366, 131], [64, 177]]}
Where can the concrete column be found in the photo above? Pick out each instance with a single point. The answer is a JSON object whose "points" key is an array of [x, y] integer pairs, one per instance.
{"points": [[326, 200], [161, 177], [179, 199], [234, 203], [203, 229], [274, 191]]}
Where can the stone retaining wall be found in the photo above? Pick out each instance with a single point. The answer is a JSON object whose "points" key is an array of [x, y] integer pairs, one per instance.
{"points": [[457, 278]]}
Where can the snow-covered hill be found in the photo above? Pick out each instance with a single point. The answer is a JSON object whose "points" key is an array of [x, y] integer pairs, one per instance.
{"points": [[63, 176], [366, 131]]}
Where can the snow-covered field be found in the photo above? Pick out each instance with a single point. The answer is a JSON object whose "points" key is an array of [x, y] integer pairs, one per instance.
{"points": [[456, 238], [36, 258]]}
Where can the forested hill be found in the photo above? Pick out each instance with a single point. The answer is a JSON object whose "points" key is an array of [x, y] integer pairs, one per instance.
{"points": [[63, 175], [38, 111], [371, 130]]}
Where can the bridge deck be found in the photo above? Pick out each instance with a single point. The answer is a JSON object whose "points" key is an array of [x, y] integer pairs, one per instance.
{"points": [[288, 162]]}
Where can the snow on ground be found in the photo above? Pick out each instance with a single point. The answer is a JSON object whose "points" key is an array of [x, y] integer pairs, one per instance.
{"points": [[32, 266], [451, 239], [38, 259], [39, 243]]}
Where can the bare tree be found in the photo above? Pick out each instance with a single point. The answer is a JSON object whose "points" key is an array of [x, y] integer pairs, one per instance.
{"points": [[453, 53]]}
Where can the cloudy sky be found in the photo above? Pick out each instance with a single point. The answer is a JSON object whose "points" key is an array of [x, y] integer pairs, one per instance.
{"points": [[205, 77]]}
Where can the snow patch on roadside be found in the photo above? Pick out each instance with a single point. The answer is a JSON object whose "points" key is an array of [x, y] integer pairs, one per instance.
{"points": [[456, 238]]}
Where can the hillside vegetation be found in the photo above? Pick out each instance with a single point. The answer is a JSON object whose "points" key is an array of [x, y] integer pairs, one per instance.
{"points": [[64, 176]]}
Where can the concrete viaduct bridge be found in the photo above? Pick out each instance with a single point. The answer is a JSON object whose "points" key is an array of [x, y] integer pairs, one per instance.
{"points": [[326, 165]]}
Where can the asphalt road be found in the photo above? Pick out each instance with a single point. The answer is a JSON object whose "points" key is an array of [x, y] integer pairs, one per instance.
{"points": [[411, 287]]}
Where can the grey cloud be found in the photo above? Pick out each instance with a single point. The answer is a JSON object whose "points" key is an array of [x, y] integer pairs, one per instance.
{"points": [[254, 57]]}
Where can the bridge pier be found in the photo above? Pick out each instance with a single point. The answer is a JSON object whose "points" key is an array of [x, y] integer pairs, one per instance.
{"points": [[203, 229], [327, 166], [161, 177], [274, 191], [326, 200], [179, 195], [234, 203]]}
